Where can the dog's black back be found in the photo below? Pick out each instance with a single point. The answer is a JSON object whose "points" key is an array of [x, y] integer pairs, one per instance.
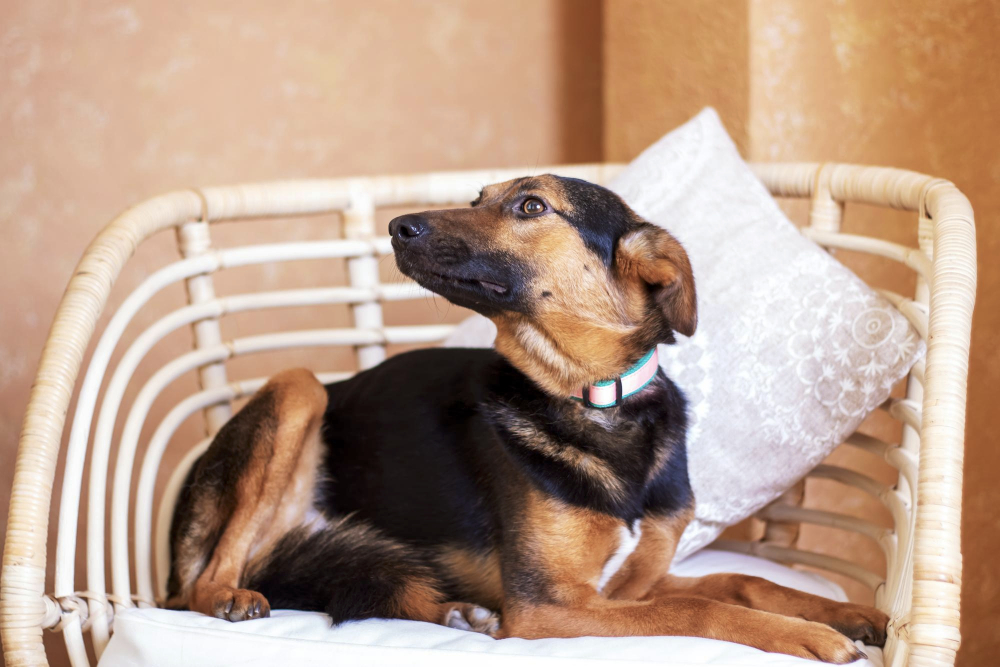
{"points": [[424, 445]]}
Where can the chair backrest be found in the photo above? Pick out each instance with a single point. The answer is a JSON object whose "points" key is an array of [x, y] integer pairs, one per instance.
{"points": [[919, 588]]}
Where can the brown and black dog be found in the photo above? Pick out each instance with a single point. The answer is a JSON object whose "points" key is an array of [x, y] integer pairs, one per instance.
{"points": [[466, 487]]}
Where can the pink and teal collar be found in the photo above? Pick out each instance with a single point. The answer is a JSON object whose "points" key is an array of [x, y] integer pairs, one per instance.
{"points": [[610, 393]]}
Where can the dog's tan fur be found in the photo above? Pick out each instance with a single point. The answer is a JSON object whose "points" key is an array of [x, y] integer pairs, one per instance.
{"points": [[273, 495]]}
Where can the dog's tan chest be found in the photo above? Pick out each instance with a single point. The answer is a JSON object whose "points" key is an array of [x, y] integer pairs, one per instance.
{"points": [[628, 539], [650, 559]]}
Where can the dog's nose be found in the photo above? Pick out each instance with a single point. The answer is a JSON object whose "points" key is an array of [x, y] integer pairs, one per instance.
{"points": [[407, 227]]}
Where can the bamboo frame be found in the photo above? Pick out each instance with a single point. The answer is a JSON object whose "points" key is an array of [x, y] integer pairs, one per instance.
{"points": [[920, 590]]}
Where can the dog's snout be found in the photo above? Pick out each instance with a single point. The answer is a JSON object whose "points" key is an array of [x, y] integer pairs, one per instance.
{"points": [[407, 227]]}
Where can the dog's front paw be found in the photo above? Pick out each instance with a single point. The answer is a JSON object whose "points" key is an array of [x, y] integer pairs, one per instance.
{"points": [[472, 618], [857, 621], [815, 641]]}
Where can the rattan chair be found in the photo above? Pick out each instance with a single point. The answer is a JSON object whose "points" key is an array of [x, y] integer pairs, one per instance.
{"points": [[924, 563]]}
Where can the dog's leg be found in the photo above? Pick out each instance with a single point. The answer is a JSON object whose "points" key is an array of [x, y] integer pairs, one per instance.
{"points": [[853, 620], [351, 570], [241, 538], [641, 578], [582, 612], [558, 554], [274, 442]]}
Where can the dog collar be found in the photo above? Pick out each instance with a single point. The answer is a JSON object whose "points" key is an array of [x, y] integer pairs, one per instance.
{"points": [[611, 393]]}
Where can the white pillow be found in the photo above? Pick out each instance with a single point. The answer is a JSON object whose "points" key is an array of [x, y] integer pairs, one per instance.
{"points": [[792, 350]]}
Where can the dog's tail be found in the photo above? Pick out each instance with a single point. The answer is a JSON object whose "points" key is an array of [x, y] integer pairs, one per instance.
{"points": [[349, 570]]}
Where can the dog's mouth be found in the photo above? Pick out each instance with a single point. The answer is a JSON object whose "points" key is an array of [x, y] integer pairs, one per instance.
{"points": [[462, 290], [485, 295], [488, 283], [471, 282]]}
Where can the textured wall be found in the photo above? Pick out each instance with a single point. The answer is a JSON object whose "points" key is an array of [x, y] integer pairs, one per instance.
{"points": [[105, 103], [907, 83], [664, 61]]}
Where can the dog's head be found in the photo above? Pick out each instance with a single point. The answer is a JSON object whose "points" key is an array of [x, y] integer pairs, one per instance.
{"points": [[578, 285]]}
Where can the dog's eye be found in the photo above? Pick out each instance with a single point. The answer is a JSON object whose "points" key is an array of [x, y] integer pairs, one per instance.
{"points": [[532, 206]]}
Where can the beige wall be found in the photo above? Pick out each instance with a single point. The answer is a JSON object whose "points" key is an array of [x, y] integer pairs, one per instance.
{"points": [[666, 60], [906, 83], [105, 103]]}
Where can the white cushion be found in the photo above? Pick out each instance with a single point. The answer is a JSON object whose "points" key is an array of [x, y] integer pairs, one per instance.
{"points": [[792, 350], [158, 637]]}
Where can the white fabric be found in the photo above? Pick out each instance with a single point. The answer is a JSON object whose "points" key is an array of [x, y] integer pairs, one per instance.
{"points": [[161, 638], [792, 350]]}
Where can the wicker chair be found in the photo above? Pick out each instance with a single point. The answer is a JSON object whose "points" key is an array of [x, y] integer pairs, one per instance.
{"points": [[920, 591]]}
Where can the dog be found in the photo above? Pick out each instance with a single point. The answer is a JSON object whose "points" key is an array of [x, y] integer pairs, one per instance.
{"points": [[535, 490]]}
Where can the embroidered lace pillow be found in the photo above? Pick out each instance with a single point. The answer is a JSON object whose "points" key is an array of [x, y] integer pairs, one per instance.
{"points": [[792, 350]]}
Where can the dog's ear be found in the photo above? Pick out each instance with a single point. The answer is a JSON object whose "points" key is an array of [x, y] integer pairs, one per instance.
{"points": [[652, 255]]}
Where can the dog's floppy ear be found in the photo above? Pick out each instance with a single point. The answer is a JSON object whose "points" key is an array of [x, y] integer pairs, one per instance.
{"points": [[651, 254]]}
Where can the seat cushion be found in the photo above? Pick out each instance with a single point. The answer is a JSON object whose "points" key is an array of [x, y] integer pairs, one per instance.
{"points": [[150, 637]]}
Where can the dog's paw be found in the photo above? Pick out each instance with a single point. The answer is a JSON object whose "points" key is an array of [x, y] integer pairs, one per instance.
{"points": [[471, 617], [859, 621], [239, 604], [815, 641]]}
